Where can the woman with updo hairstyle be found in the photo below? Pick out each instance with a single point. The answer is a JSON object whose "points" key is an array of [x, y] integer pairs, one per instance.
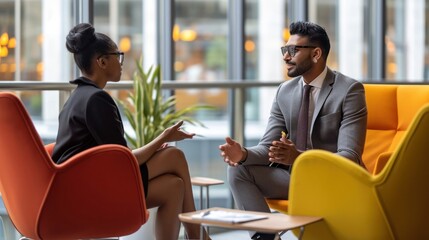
{"points": [[90, 118]]}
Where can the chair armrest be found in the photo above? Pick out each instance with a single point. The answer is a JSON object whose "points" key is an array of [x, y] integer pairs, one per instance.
{"points": [[381, 162], [100, 188], [280, 205], [330, 186], [50, 148]]}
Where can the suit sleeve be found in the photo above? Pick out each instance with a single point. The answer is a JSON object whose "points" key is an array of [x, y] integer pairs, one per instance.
{"points": [[258, 155], [104, 121], [352, 133]]}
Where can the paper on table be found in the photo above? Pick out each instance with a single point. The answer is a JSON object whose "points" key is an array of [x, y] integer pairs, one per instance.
{"points": [[228, 217]]}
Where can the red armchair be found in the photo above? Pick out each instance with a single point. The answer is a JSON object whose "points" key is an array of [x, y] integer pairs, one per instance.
{"points": [[95, 194]]}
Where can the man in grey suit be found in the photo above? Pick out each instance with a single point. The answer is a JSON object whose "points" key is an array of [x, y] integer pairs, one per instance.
{"points": [[337, 118]]}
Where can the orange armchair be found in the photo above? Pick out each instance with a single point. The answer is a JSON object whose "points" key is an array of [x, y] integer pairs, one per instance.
{"points": [[95, 194]]}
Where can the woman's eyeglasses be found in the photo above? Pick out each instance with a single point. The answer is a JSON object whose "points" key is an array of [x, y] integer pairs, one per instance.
{"points": [[291, 49], [120, 55]]}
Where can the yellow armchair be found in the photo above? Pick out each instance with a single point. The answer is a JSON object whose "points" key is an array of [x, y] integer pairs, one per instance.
{"points": [[391, 108], [358, 205]]}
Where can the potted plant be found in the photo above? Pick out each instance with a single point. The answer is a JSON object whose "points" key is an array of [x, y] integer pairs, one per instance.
{"points": [[149, 112]]}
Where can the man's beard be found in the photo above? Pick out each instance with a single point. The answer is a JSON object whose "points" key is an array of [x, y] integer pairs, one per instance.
{"points": [[300, 69]]}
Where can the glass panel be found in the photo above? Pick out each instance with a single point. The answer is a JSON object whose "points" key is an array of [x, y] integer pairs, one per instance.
{"points": [[395, 41], [31, 40], [324, 13], [26, 56], [406, 43], [21, 47], [251, 41], [426, 46], [31, 51], [251, 56], [265, 32], [122, 21], [200, 38], [200, 41], [349, 49], [7, 40]]}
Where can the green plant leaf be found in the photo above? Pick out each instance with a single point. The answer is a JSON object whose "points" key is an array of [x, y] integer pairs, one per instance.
{"points": [[148, 111]]}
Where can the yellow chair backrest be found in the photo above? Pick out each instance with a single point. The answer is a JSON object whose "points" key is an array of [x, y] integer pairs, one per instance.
{"points": [[358, 205], [391, 109]]}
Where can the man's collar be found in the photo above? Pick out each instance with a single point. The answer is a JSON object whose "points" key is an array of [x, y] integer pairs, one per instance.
{"points": [[318, 81]]}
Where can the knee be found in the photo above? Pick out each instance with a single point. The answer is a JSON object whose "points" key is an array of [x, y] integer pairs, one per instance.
{"points": [[235, 175], [177, 155], [174, 152]]}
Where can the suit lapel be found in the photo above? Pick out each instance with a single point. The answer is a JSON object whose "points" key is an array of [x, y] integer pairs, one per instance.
{"points": [[324, 93], [297, 92]]}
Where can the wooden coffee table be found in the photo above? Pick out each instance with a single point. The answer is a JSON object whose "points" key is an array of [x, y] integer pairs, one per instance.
{"points": [[274, 223]]}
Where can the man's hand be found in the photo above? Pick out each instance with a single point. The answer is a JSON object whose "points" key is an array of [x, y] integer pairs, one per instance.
{"points": [[231, 152], [283, 152]]}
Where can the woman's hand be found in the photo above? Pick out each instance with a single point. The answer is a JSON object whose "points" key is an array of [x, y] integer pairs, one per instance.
{"points": [[171, 134], [175, 133]]}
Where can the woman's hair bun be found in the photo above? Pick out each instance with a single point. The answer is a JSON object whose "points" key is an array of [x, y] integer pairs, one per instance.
{"points": [[79, 37]]}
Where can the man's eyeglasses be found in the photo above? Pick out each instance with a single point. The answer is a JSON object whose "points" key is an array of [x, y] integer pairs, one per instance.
{"points": [[120, 55], [291, 49]]}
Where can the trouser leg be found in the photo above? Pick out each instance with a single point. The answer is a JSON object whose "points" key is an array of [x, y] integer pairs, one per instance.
{"points": [[251, 184]]}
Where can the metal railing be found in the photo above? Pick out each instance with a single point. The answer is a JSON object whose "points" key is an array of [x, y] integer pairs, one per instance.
{"points": [[65, 86], [236, 103]]}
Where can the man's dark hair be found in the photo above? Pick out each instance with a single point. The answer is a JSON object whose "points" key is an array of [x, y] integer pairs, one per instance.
{"points": [[316, 34]]}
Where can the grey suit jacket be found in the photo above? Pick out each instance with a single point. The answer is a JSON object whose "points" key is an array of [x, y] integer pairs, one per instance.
{"points": [[338, 124]]}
